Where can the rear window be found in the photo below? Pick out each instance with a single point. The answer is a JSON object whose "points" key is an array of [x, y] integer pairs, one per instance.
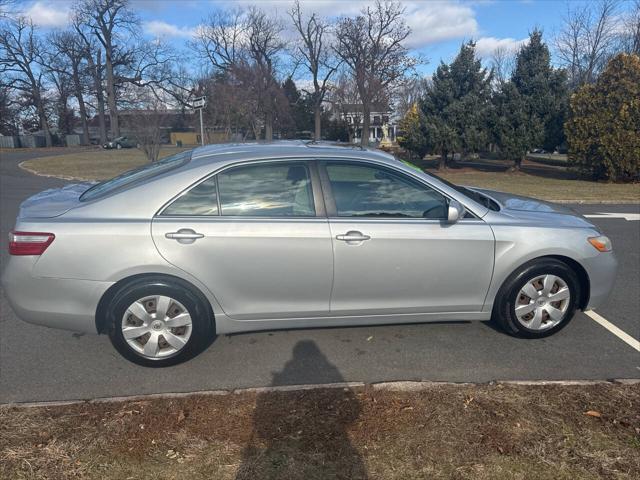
{"points": [[137, 174]]}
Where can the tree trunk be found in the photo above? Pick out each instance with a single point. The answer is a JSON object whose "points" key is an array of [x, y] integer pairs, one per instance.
{"points": [[43, 123], [366, 110], [442, 164], [111, 95], [317, 120], [83, 118], [517, 164], [96, 68], [268, 127], [82, 108]]}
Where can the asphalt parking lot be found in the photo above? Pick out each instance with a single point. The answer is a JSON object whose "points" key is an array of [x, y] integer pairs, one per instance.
{"points": [[40, 364]]}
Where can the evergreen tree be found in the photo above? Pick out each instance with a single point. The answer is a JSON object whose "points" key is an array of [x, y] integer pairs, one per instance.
{"points": [[514, 129], [603, 130], [298, 115], [412, 134], [457, 105], [541, 102]]}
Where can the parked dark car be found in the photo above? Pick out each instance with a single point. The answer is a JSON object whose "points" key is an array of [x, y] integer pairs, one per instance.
{"points": [[120, 142]]}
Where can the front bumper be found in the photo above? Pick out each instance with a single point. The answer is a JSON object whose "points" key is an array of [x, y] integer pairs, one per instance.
{"points": [[69, 304], [602, 269]]}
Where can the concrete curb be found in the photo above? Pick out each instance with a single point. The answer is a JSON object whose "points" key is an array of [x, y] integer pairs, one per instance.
{"points": [[59, 177], [397, 386]]}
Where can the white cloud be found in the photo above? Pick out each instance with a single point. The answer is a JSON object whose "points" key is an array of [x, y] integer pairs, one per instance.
{"points": [[430, 22], [485, 46], [55, 14], [158, 28], [433, 22]]}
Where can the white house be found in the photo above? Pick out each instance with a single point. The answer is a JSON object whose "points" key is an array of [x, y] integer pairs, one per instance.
{"points": [[381, 115]]}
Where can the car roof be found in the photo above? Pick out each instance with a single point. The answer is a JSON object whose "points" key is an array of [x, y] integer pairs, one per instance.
{"points": [[225, 152]]}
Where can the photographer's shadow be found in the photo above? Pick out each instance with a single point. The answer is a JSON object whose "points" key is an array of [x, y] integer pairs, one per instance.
{"points": [[303, 434]]}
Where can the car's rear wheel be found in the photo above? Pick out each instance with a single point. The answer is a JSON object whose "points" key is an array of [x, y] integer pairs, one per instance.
{"points": [[538, 299], [159, 322]]}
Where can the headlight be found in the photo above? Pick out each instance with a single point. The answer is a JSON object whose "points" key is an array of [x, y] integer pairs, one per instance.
{"points": [[601, 243]]}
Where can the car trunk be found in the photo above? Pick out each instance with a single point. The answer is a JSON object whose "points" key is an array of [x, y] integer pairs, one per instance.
{"points": [[53, 202]]}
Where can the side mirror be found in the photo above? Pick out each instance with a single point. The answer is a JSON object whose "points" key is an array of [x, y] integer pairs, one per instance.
{"points": [[455, 212]]}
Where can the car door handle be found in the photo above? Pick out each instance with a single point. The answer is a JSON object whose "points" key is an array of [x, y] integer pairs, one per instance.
{"points": [[184, 234], [353, 236]]}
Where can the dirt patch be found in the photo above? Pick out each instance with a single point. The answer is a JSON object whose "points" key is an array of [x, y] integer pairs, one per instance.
{"points": [[447, 431]]}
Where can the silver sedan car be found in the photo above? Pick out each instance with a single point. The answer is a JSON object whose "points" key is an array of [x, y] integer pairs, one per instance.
{"points": [[235, 238]]}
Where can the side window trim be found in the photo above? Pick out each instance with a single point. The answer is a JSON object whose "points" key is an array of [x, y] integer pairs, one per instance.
{"points": [[332, 211]]}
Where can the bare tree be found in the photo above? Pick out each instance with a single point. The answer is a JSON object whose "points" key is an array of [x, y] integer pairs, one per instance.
{"points": [[317, 55], [62, 83], [8, 110], [589, 37], [21, 59], [264, 45], [242, 48], [343, 97], [95, 69], [72, 54], [220, 39], [503, 61], [408, 93], [109, 21], [6, 7], [371, 45], [146, 123], [631, 30]]}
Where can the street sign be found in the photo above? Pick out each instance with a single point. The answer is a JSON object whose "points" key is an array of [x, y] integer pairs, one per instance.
{"points": [[199, 102]]}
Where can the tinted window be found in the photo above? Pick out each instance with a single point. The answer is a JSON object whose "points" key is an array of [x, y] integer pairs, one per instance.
{"points": [[200, 200], [367, 191], [141, 173], [269, 190]]}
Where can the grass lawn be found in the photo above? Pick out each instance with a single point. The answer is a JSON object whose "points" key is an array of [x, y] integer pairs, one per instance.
{"points": [[103, 164], [544, 187], [98, 164], [442, 432]]}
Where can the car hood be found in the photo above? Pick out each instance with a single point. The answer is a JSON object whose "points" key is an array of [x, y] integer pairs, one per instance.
{"points": [[532, 210], [53, 202]]}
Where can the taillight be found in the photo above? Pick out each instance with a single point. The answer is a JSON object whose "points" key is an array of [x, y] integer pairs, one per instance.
{"points": [[29, 243]]}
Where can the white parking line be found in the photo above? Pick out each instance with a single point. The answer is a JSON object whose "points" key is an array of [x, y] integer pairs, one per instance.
{"points": [[630, 217], [625, 337]]}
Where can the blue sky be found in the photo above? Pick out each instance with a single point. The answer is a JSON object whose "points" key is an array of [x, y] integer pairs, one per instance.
{"points": [[439, 26]]}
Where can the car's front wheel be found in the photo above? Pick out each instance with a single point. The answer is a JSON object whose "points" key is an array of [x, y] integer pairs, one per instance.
{"points": [[538, 299], [159, 322]]}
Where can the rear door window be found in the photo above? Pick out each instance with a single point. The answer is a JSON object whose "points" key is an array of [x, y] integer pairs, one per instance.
{"points": [[278, 189]]}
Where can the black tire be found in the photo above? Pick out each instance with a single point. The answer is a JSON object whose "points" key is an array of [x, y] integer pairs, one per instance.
{"points": [[504, 306], [202, 322]]}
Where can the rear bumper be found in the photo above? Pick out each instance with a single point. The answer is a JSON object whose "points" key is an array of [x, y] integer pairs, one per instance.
{"points": [[68, 304], [602, 270]]}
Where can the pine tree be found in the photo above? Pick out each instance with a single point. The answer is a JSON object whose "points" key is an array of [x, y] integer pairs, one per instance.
{"points": [[603, 130], [457, 105], [540, 102]]}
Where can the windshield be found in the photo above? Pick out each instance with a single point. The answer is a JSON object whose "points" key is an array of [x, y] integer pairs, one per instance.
{"points": [[477, 196], [141, 173]]}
